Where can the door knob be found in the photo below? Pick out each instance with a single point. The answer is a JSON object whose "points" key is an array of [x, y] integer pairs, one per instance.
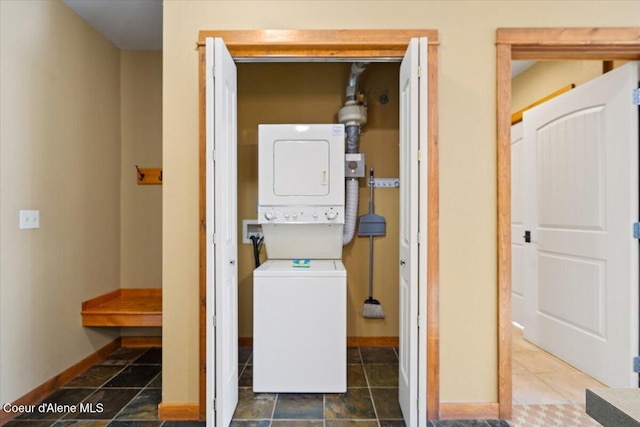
{"points": [[232, 262], [402, 262]]}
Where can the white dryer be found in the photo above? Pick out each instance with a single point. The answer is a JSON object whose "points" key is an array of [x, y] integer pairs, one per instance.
{"points": [[301, 190]]}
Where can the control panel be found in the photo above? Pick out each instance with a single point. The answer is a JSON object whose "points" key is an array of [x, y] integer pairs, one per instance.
{"points": [[301, 214]]}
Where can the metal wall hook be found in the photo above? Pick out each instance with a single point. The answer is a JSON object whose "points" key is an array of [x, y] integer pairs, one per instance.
{"points": [[140, 174], [148, 176]]}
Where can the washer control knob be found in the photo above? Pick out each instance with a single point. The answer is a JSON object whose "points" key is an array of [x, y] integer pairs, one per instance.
{"points": [[286, 216], [331, 214], [269, 215], [315, 215], [295, 215]]}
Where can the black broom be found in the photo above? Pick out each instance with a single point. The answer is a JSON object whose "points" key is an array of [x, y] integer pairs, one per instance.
{"points": [[372, 225]]}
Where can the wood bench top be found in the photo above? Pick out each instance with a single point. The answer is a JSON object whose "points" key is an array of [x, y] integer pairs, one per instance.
{"points": [[124, 307]]}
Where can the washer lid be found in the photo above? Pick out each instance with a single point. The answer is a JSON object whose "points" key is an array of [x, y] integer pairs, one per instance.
{"points": [[302, 267]]}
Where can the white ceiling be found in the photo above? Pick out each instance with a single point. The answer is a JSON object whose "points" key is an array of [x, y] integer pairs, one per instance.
{"points": [[518, 67], [128, 24]]}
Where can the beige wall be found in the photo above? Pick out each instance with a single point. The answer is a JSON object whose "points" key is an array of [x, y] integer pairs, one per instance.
{"points": [[141, 205], [467, 154], [313, 93], [59, 153], [546, 77]]}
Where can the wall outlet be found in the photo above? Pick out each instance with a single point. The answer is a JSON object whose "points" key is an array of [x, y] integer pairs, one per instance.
{"points": [[250, 227], [29, 219]]}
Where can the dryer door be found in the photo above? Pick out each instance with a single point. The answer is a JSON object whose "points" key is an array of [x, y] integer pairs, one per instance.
{"points": [[301, 167]]}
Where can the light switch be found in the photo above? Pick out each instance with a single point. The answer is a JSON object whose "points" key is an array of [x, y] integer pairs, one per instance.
{"points": [[29, 219]]}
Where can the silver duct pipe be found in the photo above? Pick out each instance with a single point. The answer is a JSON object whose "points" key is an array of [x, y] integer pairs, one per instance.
{"points": [[353, 116], [352, 138], [352, 87]]}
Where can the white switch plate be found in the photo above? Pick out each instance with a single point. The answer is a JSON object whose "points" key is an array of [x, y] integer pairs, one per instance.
{"points": [[29, 219]]}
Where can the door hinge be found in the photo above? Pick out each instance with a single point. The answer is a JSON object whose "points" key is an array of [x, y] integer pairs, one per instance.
{"points": [[636, 230], [213, 155], [213, 71], [213, 238], [214, 405], [419, 71], [419, 155], [418, 317], [214, 321], [419, 238], [636, 97], [636, 364]]}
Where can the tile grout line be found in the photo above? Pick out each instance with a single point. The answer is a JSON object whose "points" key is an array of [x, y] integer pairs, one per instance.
{"points": [[324, 407], [366, 377], [128, 403], [273, 411], [137, 394], [96, 389]]}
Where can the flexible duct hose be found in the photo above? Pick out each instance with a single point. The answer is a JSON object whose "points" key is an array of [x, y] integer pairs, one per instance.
{"points": [[352, 116], [351, 202], [351, 211]]}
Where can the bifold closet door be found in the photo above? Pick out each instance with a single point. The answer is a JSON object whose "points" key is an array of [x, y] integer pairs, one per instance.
{"points": [[222, 236]]}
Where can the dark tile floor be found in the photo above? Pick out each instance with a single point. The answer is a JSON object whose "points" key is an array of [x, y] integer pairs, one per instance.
{"points": [[125, 389], [121, 391], [371, 399]]}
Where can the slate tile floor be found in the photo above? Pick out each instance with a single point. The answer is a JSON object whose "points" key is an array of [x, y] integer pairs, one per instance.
{"points": [[371, 399], [127, 387]]}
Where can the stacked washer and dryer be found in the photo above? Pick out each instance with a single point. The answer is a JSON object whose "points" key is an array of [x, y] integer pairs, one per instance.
{"points": [[300, 293]]}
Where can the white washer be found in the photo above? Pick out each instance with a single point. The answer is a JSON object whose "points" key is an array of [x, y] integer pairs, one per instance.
{"points": [[299, 327]]}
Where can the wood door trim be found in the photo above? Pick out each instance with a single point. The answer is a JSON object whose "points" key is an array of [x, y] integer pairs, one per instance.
{"points": [[262, 44], [535, 43], [265, 45], [468, 411], [178, 411]]}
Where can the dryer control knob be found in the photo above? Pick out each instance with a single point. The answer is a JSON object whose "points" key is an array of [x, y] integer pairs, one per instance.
{"points": [[269, 215], [331, 214]]}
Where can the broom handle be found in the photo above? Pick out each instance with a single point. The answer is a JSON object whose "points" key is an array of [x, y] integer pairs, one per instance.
{"points": [[371, 181], [370, 266], [371, 237]]}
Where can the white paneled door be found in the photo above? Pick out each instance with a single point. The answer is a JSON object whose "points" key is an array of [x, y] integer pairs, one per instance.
{"points": [[518, 249], [581, 288], [413, 160], [222, 236]]}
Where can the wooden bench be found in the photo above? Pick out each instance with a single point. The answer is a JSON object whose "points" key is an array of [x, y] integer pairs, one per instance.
{"points": [[124, 307]]}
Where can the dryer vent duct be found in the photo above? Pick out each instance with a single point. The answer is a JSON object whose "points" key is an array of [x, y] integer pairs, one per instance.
{"points": [[353, 115]]}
